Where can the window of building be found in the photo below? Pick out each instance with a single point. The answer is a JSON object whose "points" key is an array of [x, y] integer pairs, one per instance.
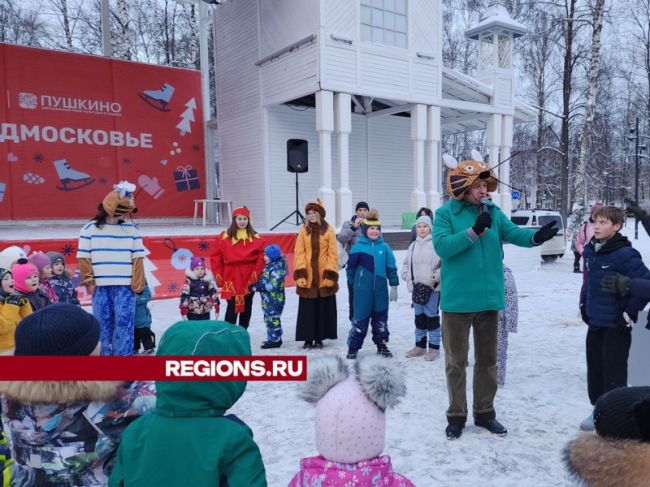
{"points": [[384, 22]]}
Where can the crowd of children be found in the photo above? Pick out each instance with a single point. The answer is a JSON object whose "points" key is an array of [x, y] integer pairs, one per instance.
{"points": [[39, 304]]}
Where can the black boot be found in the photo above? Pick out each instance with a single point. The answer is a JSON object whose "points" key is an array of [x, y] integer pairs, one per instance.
{"points": [[382, 350]]}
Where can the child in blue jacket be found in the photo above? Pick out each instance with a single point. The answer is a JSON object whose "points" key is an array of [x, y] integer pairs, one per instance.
{"points": [[142, 334], [609, 335], [271, 287], [370, 265]]}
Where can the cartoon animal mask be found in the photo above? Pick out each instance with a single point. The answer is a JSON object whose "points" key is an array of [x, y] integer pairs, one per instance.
{"points": [[461, 176], [120, 202]]}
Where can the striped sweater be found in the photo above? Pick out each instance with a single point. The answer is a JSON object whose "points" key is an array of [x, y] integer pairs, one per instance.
{"points": [[111, 250]]}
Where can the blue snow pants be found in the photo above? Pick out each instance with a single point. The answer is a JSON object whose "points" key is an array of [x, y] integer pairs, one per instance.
{"points": [[378, 320], [114, 308]]}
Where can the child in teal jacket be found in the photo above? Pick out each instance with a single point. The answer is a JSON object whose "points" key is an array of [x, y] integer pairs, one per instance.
{"points": [[370, 265]]}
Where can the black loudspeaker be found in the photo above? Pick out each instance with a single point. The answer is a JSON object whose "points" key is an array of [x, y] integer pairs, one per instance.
{"points": [[297, 156]]}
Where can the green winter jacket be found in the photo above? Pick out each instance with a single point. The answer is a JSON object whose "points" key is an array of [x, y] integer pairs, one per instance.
{"points": [[187, 440], [471, 266]]}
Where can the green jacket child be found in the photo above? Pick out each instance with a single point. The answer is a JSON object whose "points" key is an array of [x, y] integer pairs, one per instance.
{"points": [[188, 439]]}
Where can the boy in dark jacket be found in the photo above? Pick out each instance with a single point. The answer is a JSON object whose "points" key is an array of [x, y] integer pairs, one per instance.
{"points": [[609, 335], [60, 280], [271, 288], [371, 265], [198, 295]]}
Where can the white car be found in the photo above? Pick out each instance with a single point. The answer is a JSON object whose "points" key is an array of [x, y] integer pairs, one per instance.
{"points": [[551, 249]]}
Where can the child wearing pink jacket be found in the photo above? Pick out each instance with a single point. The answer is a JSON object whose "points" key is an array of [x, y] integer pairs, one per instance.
{"points": [[351, 423]]}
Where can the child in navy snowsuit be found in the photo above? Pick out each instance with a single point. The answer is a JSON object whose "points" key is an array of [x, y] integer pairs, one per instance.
{"points": [[370, 265], [271, 287], [142, 334], [60, 280], [199, 294]]}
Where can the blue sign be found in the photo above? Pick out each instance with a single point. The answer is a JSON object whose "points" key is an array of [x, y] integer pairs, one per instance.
{"points": [[516, 195]]}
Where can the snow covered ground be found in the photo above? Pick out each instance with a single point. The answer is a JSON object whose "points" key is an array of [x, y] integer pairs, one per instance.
{"points": [[542, 403]]}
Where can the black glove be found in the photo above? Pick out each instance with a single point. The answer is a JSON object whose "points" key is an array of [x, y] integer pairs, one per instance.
{"points": [[618, 284], [634, 208], [15, 299], [583, 312], [547, 232], [483, 221]]}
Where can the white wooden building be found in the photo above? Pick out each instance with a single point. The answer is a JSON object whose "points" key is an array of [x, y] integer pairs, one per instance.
{"points": [[363, 82]]}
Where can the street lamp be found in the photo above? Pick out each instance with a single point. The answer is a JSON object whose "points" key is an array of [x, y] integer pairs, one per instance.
{"points": [[634, 135]]}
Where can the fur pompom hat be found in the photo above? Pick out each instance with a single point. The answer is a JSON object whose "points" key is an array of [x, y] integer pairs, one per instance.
{"points": [[316, 206], [350, 406], [119, 202], [461, 175]]}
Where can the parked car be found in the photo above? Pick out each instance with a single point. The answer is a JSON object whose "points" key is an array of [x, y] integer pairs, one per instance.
{"points": [[552, 249]]}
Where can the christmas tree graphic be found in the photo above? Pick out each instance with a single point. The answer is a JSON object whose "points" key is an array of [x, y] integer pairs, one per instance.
{"points": [[149, 268], [187, 117]]}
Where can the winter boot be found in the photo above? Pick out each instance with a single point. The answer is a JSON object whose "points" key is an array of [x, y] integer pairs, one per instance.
{"points": [[454, 430], [382, 350], [432, 354], [419, 349], [269, 344], [352, 353], [493, 426]]}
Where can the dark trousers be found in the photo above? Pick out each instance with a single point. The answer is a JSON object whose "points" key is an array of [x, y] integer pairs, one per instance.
{"points": [[607, 352], [195, 317], [378, 321], [245, 316], [576, 260], [456, 342], [144, 337]]}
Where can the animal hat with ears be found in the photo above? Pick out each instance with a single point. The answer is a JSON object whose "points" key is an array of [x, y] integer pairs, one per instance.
{"points": [[461, 175], [350, 407]]}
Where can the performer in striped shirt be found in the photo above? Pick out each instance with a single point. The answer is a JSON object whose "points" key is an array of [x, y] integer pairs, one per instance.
{"points": [[111, 260]]}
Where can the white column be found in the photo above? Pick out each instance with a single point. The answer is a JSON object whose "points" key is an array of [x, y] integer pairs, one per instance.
{"points": [[433, 157], [493, 136], [325, 126], [418, 136], [504, 170], [343, 127]]}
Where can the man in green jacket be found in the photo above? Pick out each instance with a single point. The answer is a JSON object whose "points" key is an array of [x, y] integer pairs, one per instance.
{"points": [[468, 235], [188, 439]]}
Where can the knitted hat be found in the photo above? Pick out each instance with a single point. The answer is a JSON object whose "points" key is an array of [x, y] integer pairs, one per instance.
{"points": [[426, 220], [59, 329], [120, 202], [40, 260], [462, 175], [362, 204], [10, 255], [196, 262], [56, 257], [371, 220], [624, 413], [273, 252], [350, 418], [316, 206], [21, 271]]}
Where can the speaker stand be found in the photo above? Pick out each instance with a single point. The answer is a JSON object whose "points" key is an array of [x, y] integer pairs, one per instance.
{"points": [[300, 219]]}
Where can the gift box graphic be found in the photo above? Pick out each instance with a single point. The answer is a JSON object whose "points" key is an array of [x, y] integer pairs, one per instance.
{"points": [[186, 178], [3, 188]]}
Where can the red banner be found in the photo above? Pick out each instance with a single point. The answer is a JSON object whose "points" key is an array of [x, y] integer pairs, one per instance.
{"points": [[213, 368], [73, 125], [166, 259]]}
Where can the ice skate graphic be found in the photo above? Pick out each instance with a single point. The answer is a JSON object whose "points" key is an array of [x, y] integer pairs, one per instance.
{"points": [[71, 179], [159, 99]]}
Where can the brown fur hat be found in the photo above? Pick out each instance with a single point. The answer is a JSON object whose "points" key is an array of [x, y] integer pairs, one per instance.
{"points": [[602, 462], [316, 206], [120, 202]]}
